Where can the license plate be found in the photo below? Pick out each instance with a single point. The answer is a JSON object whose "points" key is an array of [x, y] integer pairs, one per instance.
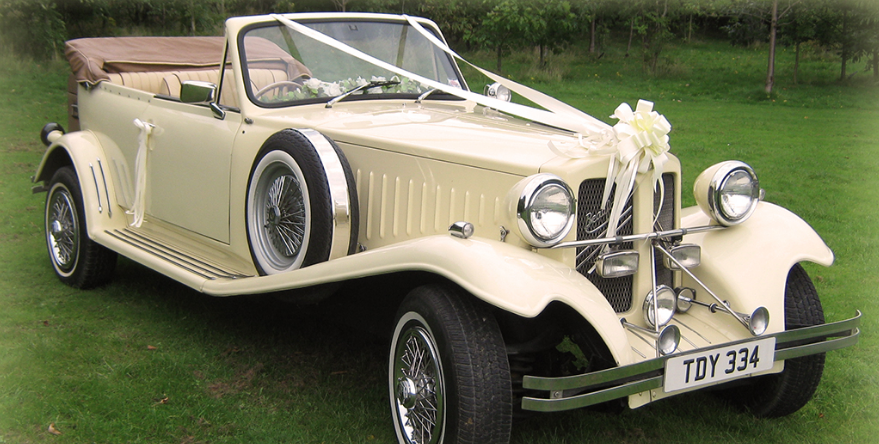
{"points": [[718, 364]]}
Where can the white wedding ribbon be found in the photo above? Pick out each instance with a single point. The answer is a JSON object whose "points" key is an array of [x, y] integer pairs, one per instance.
{"points": [[642, 143], [581, 124], [140, 167], [638, 142]]}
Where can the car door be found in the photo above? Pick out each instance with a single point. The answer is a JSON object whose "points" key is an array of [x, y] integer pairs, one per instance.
{"points": [[189, 166]]}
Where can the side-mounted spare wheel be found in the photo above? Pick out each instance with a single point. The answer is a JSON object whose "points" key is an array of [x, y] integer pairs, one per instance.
{"points": [[77, 260], [301, 202]]}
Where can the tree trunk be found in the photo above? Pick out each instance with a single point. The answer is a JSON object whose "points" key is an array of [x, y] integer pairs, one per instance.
{"points": [[592, 36], [631, 35], [875, 63], [844, 44], [500, 53], [773, 29], [690, 29], [796, 61]]}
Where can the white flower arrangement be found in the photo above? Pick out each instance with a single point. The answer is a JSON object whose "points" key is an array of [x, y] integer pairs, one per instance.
{"points": [[316, 88]]}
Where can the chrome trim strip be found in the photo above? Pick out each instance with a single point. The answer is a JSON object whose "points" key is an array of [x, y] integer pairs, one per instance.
{"points": [[97, 189], [638, 237], [818, 347], [575, 402], [106, 191], [338, 186], [639, 353], [689, 341], [648, 375], [118, 235], [219, 272], [678, 321], [175, 257]]}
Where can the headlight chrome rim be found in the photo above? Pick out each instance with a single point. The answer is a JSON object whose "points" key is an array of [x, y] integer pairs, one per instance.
{"points": [[718, 195], [667, 302], [526, 212]]}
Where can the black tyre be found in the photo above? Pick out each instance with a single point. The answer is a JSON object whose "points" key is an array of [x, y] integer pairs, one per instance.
{"points": [[290, 213], [778, 395], [77, 260], [448, 375]]}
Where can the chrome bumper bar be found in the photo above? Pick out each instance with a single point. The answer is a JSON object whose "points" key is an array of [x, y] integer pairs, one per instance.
{"points": [[567, 393]]}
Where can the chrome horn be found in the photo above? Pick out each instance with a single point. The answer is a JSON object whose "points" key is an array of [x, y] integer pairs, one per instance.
{"points": [[667, 339], [756, 322]]}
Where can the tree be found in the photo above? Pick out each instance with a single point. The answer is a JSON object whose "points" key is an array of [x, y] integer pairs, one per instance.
{"points": [[770, 12]]}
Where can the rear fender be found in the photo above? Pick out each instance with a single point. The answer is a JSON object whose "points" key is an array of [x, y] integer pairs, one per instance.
{"points": [[747, 264], [511, 278]]}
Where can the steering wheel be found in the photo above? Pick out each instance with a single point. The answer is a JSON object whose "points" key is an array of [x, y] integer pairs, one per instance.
{"points": [[292, 84]]}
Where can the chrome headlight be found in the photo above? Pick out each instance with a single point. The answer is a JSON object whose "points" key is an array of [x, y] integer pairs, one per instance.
{"points": [[666, 303], [545, 210], [498, 91], [728, 192]]}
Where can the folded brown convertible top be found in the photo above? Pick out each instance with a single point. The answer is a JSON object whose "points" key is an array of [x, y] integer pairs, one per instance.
{"points": [[92, 59]]}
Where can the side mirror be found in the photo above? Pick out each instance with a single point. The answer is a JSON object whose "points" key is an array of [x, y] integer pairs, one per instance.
{"points": [[498, 91], [196, 91]]}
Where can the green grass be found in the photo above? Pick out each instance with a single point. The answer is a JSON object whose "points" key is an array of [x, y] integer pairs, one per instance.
{"points": [[147, 360]]}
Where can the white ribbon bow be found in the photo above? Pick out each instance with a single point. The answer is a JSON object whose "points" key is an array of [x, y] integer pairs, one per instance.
{"points": [[641, 143]]}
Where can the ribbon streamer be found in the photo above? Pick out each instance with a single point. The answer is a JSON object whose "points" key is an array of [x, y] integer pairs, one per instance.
{"points": [[637, 143], [140, 166], [583, 123]]}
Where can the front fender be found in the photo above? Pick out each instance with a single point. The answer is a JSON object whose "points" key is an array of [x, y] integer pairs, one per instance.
{"points": [[511, 278], [748, 264], [84, 152]]}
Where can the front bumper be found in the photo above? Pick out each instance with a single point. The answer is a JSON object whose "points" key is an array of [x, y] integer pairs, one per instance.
{"points": [[572, 392]]}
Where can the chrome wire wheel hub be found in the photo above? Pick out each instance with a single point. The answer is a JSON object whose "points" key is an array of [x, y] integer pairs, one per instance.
{"points": [[419, 393], [62, 230], [285, 216], [281, 215]]}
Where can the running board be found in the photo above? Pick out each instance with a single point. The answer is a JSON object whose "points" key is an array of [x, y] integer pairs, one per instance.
{"points": [[162, 250]]}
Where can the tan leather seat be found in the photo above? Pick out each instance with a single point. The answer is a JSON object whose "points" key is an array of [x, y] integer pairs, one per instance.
{"points": [[144, 81]]}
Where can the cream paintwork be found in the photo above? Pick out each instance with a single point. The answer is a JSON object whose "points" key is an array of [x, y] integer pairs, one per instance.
{"points": [[773, 234], [413, 179], [190, 166]]}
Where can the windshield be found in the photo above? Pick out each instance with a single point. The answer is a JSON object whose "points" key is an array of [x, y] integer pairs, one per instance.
{"points": [[284, 67]]}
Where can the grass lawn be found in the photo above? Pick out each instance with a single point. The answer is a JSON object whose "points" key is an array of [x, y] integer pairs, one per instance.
{"points": [[147, 360]]}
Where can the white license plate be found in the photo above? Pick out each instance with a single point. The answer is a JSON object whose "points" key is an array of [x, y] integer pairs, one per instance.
{"points": [[718, 364]]}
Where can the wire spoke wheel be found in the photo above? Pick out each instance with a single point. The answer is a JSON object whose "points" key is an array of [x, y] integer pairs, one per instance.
{"points": [[448, 374], [62, 230], [279, 215], [285, 216], [78, 261], [419, 386], [301, 206]]}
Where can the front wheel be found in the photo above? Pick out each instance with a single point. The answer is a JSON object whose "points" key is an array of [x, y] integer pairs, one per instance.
{"points": [[77, 260], [448, 375], [774, 396]]}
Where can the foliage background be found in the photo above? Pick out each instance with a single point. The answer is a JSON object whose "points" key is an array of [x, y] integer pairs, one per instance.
{"points": [[145, 359], [849, 28]]}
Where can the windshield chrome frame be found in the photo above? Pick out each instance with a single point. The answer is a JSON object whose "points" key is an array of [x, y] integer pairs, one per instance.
{"points": [[242, 55]]}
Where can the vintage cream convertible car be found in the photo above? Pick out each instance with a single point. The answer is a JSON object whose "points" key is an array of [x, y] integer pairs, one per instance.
{"points": [[544, 256]]}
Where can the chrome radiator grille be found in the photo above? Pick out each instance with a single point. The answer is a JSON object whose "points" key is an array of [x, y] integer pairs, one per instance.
{"points": [[592, 224]]}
